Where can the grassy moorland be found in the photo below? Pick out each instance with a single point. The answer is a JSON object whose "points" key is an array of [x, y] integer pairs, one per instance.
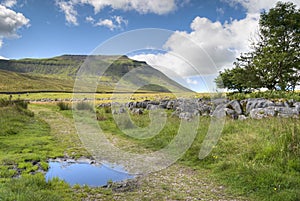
{"points": [[58, 74], [253, 160]]}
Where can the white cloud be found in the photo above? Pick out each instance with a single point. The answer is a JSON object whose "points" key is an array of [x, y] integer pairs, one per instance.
{"points": [[106, 23], [10, 22], [90, 19], [255, 6], [159, 7], [9, 3], [3, 58], [191, 81], [120, 20], [115, 22], [209, 47], [141, 6], [220, 11], [69, 10]]}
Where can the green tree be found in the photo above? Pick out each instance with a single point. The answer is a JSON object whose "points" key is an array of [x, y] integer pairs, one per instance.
{"points": [[280, 44], [232, 79], [274, 61]]}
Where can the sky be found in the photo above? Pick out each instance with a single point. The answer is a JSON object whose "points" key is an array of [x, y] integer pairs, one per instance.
{"points": [[189, 40]]}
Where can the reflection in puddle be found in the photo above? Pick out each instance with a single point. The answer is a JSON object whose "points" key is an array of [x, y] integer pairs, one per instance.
{"points": [[85, 173]]}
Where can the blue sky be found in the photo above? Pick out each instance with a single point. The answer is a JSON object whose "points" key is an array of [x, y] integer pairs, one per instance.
{"points": [[49, 34], [40, 29]]}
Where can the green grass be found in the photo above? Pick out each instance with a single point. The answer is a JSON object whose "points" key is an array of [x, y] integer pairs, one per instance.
{"points": [[26, 143], [35, 188], [18, 82], [256, 159], [59, 73], [24, 140], [259, 159]]}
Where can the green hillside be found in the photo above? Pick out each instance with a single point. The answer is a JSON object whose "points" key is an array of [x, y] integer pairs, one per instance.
{"points": [[59, 73]]}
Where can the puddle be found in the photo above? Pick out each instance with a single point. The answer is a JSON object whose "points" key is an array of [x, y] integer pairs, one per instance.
{"points": [[85, 174]]}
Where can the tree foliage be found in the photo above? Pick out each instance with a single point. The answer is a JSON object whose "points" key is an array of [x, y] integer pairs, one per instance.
{"points": [[274, 61]]}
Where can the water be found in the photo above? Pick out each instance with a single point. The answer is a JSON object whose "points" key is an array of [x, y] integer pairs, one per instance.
{"points": [[85, 173]]}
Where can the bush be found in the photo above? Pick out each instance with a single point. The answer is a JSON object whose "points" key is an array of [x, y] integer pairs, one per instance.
{"points": [[107, 110], [21, 103], [4, 103], [267, 94], [84, 106], [18, 103], [63, 106]]}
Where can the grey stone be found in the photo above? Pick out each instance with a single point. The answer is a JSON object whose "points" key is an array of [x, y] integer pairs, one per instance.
{"points": [[236, 106], [219, 111], [231, 113], [186, 116], [259, 113], [204, 109], [152, 107], [137, 111], [242, 117], [219, 101], [170, 105], [257, 103], [287, 112]]}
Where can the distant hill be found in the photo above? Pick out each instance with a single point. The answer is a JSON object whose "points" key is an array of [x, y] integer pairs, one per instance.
{"points": [[59, 73]]}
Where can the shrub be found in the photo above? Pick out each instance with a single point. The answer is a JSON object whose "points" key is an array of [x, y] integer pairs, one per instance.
{"points": [[107, 110], [63, 106], [4, 102], [84, 106], [21, 103]]}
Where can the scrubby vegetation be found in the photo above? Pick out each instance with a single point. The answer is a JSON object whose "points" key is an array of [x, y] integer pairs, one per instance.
{"points": [[63, 105], [273, 95]]}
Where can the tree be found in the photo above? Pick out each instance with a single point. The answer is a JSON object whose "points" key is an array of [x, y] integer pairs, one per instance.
{"points": [[274, 61], [232, 79]]}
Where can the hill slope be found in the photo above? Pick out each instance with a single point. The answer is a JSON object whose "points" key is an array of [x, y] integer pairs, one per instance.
{"points": [[59, 73]]}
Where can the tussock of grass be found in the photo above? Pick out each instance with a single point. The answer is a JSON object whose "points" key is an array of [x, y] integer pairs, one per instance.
{"points": [[84, 106], [35, 188], [63, 106]]}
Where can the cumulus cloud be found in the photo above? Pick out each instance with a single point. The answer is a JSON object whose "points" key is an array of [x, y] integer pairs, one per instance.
{"points": [[3, 58], [115, 22], [69, 10], [9, 3], [209, 47], [10, 22], [120, 20], [141, 6], [90, 19], [191, 81], [255, 6], [106, 23]]}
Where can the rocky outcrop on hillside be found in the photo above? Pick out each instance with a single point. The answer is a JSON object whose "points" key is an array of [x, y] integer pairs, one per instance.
{"points": [[255, 108]]}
